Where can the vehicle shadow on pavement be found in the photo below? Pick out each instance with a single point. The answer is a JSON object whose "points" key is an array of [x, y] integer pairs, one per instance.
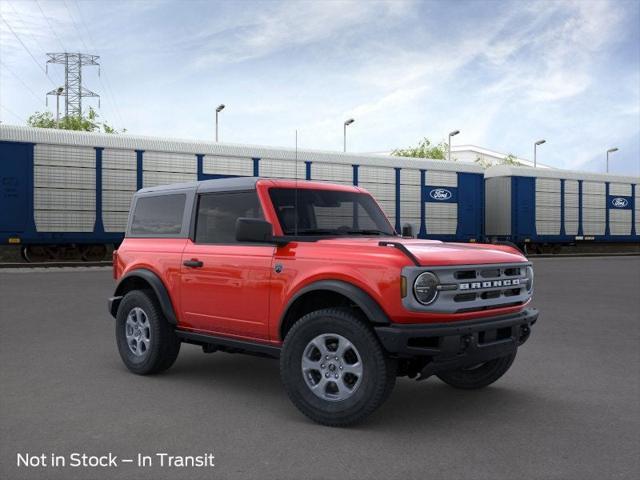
{"points": [[237, 373], [410, 405], [413, 403]]}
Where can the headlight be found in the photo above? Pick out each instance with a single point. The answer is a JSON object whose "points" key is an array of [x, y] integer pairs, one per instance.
{"points": [[529, 280], [425, 288]]}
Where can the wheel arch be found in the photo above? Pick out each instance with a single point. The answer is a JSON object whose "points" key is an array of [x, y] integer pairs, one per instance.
{"points": [[330, 293], [143, 279]]}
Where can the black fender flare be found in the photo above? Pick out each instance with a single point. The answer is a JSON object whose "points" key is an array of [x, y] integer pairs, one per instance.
{"points": [[157, 286], [362, 299]]}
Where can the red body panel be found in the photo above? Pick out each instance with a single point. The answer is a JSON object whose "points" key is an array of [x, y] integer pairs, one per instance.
{"points": [[237, 293], [230, 293], [161, 256]]}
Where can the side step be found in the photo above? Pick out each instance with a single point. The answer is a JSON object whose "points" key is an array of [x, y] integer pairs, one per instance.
{"points": [[226, 344]]}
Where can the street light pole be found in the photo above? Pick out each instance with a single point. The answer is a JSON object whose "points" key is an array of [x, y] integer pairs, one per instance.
{"points": [[58, 93], [535, 152], [611, 150], [218, 110], [451, 134], [344, 136]]}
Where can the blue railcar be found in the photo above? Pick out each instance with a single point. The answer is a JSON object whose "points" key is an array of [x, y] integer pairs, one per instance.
{"points": [[71, 190], [556, 207]]}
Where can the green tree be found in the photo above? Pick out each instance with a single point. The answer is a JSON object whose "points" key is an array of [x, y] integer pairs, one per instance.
{"points": [[483, 162], [88, 123], [424, 149], [510, 159]]}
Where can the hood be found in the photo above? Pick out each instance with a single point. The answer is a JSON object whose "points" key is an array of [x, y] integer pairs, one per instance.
{"points": [[439, 253], [434, 252]]}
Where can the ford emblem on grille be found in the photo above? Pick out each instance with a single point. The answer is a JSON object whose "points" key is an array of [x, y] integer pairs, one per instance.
{"points": [[440, 194], [619, 202]]}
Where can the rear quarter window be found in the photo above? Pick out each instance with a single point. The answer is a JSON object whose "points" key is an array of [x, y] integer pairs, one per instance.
{"points": [[159, 215]]}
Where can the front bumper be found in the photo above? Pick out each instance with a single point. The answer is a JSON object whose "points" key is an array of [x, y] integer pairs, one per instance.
{"points": [[458, 344]]}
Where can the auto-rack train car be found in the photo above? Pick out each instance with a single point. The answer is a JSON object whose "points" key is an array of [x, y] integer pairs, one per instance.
{"points": [[543, 209], [67, 194]]}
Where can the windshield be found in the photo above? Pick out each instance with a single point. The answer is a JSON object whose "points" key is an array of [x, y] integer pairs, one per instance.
{"points": [[328, 212]]}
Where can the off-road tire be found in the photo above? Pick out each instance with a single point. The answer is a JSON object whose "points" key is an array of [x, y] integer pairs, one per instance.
{"points": [[164, 344], [379, 371], [479, 377]]}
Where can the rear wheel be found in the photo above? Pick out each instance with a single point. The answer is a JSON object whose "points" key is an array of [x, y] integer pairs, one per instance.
{"points": [[146, 342], [478, 376], [334, 369]]}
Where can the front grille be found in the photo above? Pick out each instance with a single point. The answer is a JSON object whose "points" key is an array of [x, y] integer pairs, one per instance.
{"points": [[474, 287], [465, 274], [492, 273], [465, 297]]}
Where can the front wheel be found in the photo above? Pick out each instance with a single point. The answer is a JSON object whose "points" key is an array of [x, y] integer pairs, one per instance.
{"points": [[146, 342], [478, 376], [334, 369]]}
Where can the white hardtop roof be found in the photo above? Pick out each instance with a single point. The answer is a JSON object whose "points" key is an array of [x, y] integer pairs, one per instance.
{"points": [[218, 184], [510, 171], [131, 142]]}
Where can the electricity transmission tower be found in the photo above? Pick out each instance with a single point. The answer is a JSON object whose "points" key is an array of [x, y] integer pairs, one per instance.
{"points": [[73, 91]]}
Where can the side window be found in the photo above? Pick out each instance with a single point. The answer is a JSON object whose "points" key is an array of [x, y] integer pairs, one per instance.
{"points": [[218, 212], [158, 215]]}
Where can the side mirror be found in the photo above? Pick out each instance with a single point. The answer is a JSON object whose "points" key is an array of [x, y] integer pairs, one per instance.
{"points": [[407, 231], [253, 230]]}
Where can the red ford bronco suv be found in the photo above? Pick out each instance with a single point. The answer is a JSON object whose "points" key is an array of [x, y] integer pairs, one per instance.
{"points": [[313, 273]]}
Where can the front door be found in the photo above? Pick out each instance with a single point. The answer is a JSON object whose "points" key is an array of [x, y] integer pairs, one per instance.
{"points": [[225, 284]]}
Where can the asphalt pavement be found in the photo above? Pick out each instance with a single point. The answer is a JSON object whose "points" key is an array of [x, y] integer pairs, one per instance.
{"points": [[569, 408]]}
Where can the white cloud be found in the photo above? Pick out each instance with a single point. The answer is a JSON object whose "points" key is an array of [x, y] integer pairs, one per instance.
{"points": [[288, 25], [402, 69]]}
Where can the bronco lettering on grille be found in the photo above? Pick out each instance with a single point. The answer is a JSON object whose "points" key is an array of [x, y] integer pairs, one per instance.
{"points": [[490, 284]]}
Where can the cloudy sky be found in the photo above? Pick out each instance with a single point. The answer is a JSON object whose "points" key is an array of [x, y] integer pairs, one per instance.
{"points": [[504, 73]]}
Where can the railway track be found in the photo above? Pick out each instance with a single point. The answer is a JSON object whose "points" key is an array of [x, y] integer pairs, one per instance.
{"points": [[54, 264]]}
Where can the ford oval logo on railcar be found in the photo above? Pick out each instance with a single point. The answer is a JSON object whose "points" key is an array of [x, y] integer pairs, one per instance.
{"points": [[440, 194], [619, 202]]}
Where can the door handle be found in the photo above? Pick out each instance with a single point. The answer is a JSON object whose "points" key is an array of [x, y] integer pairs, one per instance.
{"points": [[193, 263]]}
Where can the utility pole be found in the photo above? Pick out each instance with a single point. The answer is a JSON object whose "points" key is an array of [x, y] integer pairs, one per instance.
{"points": [[73, 90]]}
